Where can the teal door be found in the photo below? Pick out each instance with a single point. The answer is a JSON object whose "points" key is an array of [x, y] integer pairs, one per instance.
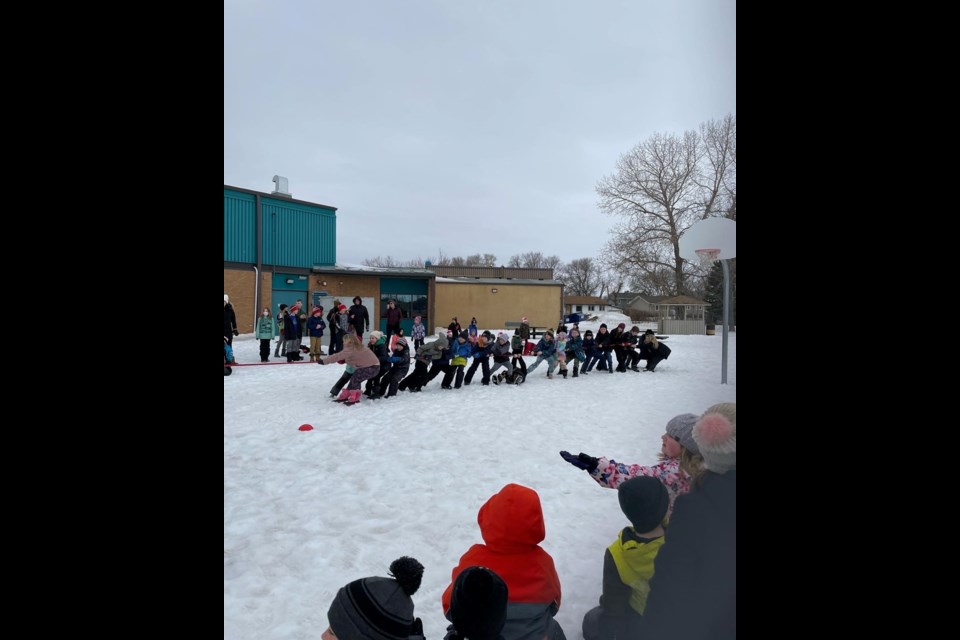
{"points": [[287, 289]]}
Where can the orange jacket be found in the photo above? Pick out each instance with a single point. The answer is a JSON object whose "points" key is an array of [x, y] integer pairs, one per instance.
{"points": [[511, 523]]}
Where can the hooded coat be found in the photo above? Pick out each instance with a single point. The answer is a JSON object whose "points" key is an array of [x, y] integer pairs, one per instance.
{"points": [[693, 592], [511, 524]]}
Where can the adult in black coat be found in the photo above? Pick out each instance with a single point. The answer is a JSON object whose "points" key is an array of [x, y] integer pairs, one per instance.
{"points": [[229, 320], [654, 351], [359, 317], [693, 592]]}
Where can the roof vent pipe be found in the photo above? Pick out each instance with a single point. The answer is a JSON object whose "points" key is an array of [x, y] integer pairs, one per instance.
{"points": [[282, 189]]}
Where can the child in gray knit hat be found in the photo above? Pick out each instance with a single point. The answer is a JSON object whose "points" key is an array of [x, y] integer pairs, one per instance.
{"points": [[378, 608], [680, 461]]}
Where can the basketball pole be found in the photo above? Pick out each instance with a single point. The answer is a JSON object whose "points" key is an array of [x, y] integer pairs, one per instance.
{"points": [[726, 318]]}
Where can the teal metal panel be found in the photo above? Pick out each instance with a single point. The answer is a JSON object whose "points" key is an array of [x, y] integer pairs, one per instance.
{"points": [[239, 227], [298, 235], [287, 297], [291, 282]]}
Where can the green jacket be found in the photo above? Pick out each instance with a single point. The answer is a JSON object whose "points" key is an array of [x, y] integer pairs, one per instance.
{"points": [[634, 562], [265, 328]]}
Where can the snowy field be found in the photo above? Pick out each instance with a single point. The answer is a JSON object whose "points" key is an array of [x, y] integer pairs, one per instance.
{"points": [[305, 512]]}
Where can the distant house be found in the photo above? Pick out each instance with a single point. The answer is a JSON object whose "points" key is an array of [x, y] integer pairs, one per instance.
{"points": [[584, 305], [620, 300], [641, 304]]}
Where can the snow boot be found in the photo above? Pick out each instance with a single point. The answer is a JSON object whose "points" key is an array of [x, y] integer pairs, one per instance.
{"points": [[344, 396], [354, 397]]}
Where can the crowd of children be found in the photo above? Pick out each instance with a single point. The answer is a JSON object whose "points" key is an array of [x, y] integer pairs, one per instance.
{"points": [[662, 577]]}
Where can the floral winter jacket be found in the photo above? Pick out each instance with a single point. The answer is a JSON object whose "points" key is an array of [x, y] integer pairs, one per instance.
{"points": [[419, 331], [611, 474]]}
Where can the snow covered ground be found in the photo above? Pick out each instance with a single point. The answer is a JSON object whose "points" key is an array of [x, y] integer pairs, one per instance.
{"points": [[306, 512]]}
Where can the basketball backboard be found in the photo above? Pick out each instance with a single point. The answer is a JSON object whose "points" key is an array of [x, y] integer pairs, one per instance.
{"points": [[712, 233]]}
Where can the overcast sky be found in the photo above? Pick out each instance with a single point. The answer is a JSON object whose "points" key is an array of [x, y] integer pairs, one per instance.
{"points": [[484, 124]]}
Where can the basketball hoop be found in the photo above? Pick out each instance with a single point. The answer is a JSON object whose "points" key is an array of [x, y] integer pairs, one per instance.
{"points": [[707, 256]]}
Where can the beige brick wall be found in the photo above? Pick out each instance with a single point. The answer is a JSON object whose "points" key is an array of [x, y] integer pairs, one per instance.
{"points": [[540, 303], [240, 285]]}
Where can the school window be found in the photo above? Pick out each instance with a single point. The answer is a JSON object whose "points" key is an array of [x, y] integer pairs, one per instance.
{"points": [[411, 304], [579, 308], [590, 307]]}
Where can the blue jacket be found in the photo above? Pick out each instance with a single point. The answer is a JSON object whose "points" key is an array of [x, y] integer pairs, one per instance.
{"points": [[546, 349], [316, 325], [462, 350]]}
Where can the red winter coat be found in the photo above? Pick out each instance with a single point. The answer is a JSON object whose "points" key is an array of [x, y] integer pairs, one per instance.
{"points": [[511, 523]]}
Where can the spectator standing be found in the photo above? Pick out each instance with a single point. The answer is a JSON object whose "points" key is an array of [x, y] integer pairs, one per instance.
{"points": [[265, 334], [359, 317], [229, 320]]}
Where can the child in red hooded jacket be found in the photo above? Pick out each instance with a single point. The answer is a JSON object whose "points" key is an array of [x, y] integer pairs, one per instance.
{"points": [[511, 523]]}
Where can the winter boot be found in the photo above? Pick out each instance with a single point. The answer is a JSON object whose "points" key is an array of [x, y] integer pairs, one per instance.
{"points": [[354, 397], [563, 372], [344, 395], [576, 369]]}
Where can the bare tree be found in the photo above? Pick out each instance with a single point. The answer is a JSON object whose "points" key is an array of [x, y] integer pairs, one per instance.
{"points": [[456, 261], [515, 262], [553, 262], [718, 179], [659, 189], [485, 260], [657, 282], [582, 277], [387, 262]]}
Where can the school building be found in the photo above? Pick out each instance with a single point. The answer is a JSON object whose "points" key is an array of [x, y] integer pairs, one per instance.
{"points": [[277, 249]]}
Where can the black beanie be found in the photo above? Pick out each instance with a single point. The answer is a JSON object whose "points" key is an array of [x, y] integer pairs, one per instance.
{"points": [[478, 605], [378, 608], [644, 501]]}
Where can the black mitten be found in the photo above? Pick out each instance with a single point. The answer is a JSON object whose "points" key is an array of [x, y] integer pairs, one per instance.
{"points": [[581, 461]]}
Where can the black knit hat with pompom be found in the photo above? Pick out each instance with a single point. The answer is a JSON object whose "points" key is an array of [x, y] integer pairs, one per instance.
{"points": [[378, 608]]}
